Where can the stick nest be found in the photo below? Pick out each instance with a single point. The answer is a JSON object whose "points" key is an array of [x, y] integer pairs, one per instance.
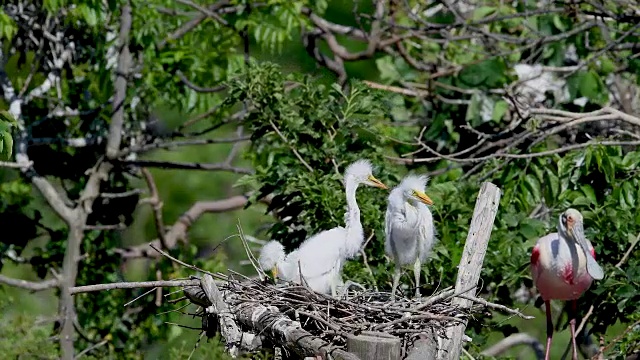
{"points": [[333, 319]]}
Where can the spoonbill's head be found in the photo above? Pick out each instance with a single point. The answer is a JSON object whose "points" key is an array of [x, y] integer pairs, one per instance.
{"points": [[271, 255], [571, 226], [361, 172], [413, 188]]}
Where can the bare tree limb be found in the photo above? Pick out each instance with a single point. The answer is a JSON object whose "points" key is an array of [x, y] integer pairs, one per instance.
{"points": [[133, 285], [99, 173], [156, 203], [178, 232], [515, 340], [29, 285], [124, 62], [187, 166]]}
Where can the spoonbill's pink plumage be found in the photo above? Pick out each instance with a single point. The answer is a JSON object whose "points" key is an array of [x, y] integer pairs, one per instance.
{"points": [[563, 267]]}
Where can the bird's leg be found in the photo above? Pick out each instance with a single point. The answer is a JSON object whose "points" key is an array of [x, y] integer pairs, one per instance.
{"points": [[572, 322], [334, 287], [396, 278], [417, 267], [547, 304]]}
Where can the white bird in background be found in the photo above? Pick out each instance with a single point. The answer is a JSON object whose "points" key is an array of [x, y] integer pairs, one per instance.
{"points": [[563, 265], [321, 257], [409, 230]]}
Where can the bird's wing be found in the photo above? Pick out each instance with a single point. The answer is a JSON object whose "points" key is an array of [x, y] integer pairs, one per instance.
{"points": [[401, 238], [319, 253]]}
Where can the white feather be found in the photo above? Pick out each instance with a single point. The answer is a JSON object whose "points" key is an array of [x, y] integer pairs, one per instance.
{"points": [[321, 257]]}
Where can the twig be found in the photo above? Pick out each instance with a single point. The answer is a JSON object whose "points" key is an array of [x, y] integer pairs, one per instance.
{"points": [[295, 152], [197, 88], [617, 338], [91, 348], [192, 267], [497, 307], [133, 285]]}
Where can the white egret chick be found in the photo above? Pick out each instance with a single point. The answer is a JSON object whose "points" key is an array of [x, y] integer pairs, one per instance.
{"points": [[409, 230], [321, 257]]}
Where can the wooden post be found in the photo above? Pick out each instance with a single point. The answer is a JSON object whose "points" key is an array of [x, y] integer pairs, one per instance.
{"points": [[470, 265], [374, 345], [426, 347]]}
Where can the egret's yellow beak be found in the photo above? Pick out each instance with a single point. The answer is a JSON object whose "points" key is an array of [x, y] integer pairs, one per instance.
{"points": [[422, 197], [377, 183], [274, 272]]}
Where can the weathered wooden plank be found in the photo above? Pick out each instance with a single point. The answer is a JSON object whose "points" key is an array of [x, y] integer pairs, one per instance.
{"points": [[470, 265]]}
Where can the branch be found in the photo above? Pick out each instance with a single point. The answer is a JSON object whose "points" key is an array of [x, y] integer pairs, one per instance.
{"points": [[178, 232], [133, 285], [174, 144], [156, 203], [512, 341], [91, 191], [295, 152], [471, 262], [15, 165], [124, 62], [187, 166], [496, 306], [29, 285], [197, 88]]}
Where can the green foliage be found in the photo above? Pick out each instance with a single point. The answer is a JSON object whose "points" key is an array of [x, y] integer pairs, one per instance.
{"points": [[329, 129], [6, 141], [20, 335], [8, 27], [297, 122]]}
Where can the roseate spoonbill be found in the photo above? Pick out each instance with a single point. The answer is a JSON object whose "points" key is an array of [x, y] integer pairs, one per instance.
{"points": [[409, 230], [322, 256], [563, 266]]}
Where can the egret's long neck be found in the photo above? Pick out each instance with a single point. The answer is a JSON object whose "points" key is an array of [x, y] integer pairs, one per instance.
{"points": [[355, 232]]}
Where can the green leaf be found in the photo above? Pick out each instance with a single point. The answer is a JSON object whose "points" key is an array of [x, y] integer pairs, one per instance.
{"points": [[629, 194], [387, 69], [557, 22], [553, 182], [8, 145], [587, 190], [592, 86], [499, 110], [491, 73], [533, 185], [482, 12]]}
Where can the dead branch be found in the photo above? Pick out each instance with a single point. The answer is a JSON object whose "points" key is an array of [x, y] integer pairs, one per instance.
{"points": [[178, 232], [187, 166], [29, 285], [134, 285], [514, 340], [471, 262], [156, 203]]}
